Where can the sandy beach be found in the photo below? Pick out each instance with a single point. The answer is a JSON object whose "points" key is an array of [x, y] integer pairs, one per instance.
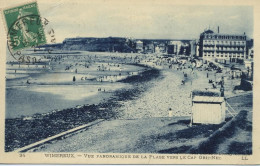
{"points": [[142, 87]]}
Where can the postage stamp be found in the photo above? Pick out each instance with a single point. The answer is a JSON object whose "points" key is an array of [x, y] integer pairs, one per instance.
{"points": [[24, 26]]}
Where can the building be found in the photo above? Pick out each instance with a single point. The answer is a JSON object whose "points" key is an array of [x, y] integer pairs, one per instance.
{"points": [[251, 53], [149, 48], [160, 48], [222, 48], [193, 48], [250, 49], [185, 49], [139, 46], [208, 109], [171, 49], [197, 49], [176, 46]]}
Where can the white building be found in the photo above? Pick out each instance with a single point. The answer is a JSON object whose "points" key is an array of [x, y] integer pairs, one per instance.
{"points": [[222, 47], [139, 46], [208, 109]]}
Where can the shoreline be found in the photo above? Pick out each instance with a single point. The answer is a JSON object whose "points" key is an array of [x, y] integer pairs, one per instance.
{"points": [[20, 133]]}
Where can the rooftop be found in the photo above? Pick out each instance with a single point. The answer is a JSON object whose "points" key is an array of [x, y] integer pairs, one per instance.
{"points": [[208, 99], [210, 32]]}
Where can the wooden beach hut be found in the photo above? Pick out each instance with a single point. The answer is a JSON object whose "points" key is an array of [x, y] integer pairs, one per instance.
{"points": [[208, 109]]}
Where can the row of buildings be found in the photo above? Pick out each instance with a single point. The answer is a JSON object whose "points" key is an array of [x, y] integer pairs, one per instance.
{"points": [[211, 46], [223, 48], [162, 46]]}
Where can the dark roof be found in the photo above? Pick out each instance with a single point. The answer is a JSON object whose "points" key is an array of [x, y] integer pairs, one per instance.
{"points": [[208, 99], [208, 31], [210, 92]]}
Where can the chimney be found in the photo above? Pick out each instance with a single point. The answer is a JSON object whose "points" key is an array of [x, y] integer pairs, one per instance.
{"points": [[218, 29]]}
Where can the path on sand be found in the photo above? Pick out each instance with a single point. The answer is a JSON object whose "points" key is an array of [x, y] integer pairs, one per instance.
{"points": [[156, 101]]}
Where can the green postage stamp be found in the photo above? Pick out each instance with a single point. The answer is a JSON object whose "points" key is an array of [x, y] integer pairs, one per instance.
{"points": [[24, 26]]}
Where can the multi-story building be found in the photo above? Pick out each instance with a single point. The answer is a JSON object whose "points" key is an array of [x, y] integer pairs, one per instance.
{"points": [[193, 48], [139, 46], [197, 49], [251, 53], [171, 48], [222, 48], [177, 46], [149, 48], [250, 49]]}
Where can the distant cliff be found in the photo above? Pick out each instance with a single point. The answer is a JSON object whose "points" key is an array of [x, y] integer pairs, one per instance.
{"points": [[110, 44]]}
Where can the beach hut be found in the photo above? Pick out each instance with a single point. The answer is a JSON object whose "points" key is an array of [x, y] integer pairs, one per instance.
{"points": [[208, 109]]}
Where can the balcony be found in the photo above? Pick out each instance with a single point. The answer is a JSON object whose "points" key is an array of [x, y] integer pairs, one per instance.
{"points": [[230, 51], [208, 45], [231, 45], [208, 50]]}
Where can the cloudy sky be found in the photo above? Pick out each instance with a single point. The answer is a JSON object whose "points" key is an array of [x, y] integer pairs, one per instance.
{"points": [[143, 19]]}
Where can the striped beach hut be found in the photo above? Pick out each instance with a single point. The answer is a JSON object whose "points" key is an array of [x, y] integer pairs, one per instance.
{"points": [[208, 109]]}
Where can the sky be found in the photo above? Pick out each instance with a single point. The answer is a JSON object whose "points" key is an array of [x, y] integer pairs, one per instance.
{"points": [[143, 20]]}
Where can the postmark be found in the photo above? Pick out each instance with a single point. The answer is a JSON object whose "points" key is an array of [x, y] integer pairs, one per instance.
{"points": [[25, 29], [22, 55]]}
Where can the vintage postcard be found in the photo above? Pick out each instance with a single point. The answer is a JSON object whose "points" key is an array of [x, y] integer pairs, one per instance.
{"points": [[129, 82]]}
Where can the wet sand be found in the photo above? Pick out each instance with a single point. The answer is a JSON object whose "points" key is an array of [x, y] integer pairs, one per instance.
{"points": [[39, 89], [23, 131]]}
